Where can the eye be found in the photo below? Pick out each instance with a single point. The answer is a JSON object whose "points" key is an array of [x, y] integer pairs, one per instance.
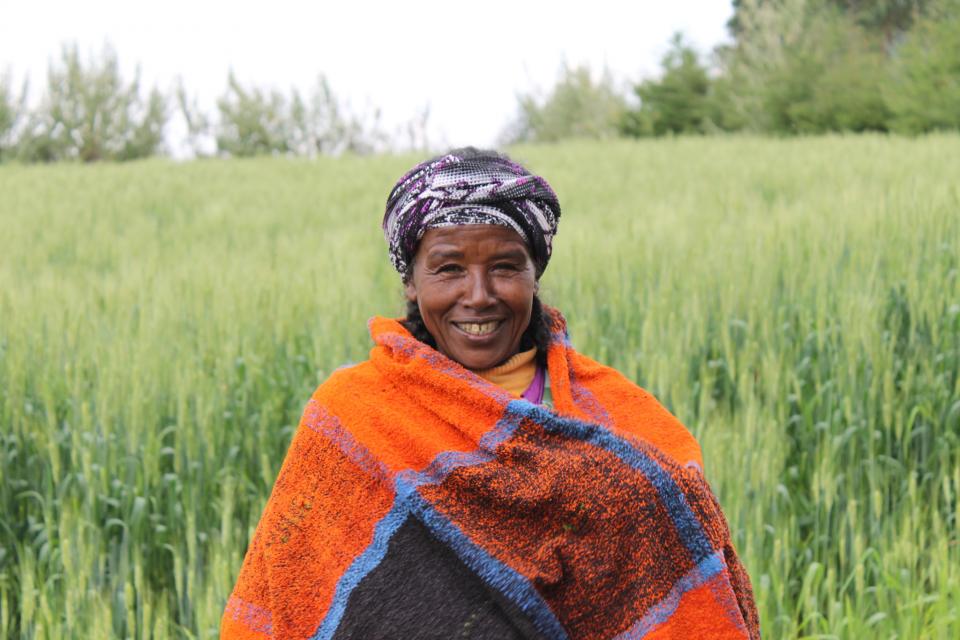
{"points": [[506, 266], [448, 268]]}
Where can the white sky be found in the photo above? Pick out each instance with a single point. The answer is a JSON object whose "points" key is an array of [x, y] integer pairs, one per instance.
{"points": [[466, 60]]}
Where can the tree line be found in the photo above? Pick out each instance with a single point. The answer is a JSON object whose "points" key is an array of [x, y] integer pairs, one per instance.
{"points": [[88, 112], [793, 67]]}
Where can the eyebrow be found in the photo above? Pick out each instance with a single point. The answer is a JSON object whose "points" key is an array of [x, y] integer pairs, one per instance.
{"points": [[453, 254], [443, 254], [511, 254]]}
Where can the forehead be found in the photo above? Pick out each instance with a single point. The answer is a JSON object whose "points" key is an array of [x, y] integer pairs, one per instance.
{"points": [[472, 237]]}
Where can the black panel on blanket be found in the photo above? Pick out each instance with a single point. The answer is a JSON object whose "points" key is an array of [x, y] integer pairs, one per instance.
{"points": [[422, 590]]}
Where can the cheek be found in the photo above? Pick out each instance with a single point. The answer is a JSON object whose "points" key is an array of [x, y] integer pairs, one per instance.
{"points": [[521, 303], [434, 302]]}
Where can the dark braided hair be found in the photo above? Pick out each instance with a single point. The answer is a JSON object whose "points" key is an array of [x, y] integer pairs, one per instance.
{"points": [[536, 335]]}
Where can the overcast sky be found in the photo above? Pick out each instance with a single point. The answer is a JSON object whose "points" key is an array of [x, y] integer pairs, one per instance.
{"points": [[466, 60]]}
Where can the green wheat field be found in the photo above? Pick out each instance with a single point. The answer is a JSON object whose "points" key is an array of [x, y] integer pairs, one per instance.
{"points": [[795, 302]]}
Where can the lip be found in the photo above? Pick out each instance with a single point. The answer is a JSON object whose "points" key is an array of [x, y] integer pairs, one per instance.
{"points": [[477, 320], [475, 338]]}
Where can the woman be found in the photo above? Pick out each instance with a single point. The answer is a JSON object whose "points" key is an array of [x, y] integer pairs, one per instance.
{"points": [[477, 477]]}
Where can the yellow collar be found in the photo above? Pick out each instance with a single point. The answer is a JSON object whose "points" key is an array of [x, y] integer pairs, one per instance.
{"points": [[514, 375]]}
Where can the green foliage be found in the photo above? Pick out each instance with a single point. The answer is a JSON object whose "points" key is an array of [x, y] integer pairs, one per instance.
{"points": [[831, 80], [886, 17], [12, 112], [89, 113], [924, 87], [198, 123], [809, 66], [323, 125], [803, 67], [793, 302], [255, 122], [725, 110], [252, 121], [847, 94], [576, 107], [678, 101]]}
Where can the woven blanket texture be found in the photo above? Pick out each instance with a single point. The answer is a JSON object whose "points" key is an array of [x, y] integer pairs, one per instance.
{"points": [[418, 500]]}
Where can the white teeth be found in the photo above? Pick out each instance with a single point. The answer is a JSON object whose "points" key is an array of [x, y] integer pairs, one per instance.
{"points": [[478, 329]]}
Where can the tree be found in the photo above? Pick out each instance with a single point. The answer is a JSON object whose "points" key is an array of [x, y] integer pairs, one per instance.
{"points": [[12, 111], [256, 122], [735, 24], [252, 121], [90, 113], [323, 125], [415, 131], [830, 80], [765, 31], [888, 17], [804, 66], [199, 127], [677, 102], [924, 86], [576, 107]]}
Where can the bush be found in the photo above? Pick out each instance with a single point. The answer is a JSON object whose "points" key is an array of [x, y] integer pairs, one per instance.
{"points": [[12, 111], [252, 121], [90, 113], [805, 67], [576, 107], [924, 87], [836, 73], [323, 125], [255, 122], [675, 103]]}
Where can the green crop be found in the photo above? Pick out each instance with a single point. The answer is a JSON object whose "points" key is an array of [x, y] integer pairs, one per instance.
{"points": [[794, 302]]}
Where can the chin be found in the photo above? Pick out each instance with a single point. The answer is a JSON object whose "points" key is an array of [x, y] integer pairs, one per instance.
{"points": [[478, 360]]}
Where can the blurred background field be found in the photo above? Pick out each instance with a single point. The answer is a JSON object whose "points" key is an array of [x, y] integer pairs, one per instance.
{"points": [[794, 301]]}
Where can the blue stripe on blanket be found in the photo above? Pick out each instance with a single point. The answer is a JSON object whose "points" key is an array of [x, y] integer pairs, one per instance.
{"points": [[406, 501], [360, 567], [660, 612], [686, 523], [514, 586]]}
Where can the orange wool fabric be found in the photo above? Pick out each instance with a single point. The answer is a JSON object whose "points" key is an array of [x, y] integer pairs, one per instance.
{"points": [[592, 519]]}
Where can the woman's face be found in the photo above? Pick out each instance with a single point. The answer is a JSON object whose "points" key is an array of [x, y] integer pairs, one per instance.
{"points": [[474, 285]]}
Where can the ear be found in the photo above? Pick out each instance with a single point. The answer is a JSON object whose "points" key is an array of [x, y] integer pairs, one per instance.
{"points": [[410, 290], [536, 286]]}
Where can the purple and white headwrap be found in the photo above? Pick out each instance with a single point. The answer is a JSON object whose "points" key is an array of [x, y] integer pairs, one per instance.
{"points": [[472, 188]]}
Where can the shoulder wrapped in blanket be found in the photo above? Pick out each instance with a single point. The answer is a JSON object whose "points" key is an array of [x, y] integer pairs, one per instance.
{"points": [[418, 500]]}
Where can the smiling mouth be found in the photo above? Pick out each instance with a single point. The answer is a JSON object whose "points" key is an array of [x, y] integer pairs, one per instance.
{"points": [[479, 329]]}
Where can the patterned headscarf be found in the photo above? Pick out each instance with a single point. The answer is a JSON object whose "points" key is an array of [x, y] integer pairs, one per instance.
{"points": [[470, 187]]}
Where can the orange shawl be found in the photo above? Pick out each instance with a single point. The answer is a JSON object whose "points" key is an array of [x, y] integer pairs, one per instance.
{"points": [[419, 500]]}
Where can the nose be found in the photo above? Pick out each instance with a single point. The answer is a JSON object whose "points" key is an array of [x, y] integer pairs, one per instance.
{"points": [[478, 293]]}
